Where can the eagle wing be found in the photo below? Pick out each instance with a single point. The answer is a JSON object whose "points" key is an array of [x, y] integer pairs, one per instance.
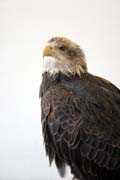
{"points": [[82, 122]]}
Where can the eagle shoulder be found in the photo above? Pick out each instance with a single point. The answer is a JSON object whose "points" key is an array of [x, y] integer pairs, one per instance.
{"points": [[82, 115]]}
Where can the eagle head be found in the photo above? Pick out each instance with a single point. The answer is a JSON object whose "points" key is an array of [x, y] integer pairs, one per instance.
{"points": [[62, 55]]}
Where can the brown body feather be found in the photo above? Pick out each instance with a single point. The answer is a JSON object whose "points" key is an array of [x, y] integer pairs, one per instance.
{"points": [[81, 125]]}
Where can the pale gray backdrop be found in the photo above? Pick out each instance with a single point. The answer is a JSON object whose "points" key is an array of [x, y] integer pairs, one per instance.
{"points": [[25, 26]]}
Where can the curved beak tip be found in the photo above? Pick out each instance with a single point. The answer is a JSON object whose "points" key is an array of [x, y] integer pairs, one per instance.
{"points": [[47, 50]]}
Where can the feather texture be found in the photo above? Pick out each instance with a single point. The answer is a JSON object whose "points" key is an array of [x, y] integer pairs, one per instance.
{"points": [[81, 125]]}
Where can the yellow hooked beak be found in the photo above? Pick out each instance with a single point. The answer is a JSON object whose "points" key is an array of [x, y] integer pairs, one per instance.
{"points": [[48, 50]]}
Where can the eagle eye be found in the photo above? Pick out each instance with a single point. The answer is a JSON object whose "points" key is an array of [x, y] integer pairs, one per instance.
{"points": [[62, 48]]}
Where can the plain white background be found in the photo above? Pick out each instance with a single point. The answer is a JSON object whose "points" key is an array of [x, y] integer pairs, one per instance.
{"points": [[25, 26]]}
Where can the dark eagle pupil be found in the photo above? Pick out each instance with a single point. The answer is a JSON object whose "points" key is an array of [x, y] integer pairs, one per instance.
{"points": [[63, 48]]}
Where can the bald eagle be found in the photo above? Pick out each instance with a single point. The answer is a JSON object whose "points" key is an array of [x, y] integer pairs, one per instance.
{"points": [[80, 114]]}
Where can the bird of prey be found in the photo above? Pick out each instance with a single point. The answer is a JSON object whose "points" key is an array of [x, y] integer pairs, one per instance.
{"points": [[80, 114]]}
